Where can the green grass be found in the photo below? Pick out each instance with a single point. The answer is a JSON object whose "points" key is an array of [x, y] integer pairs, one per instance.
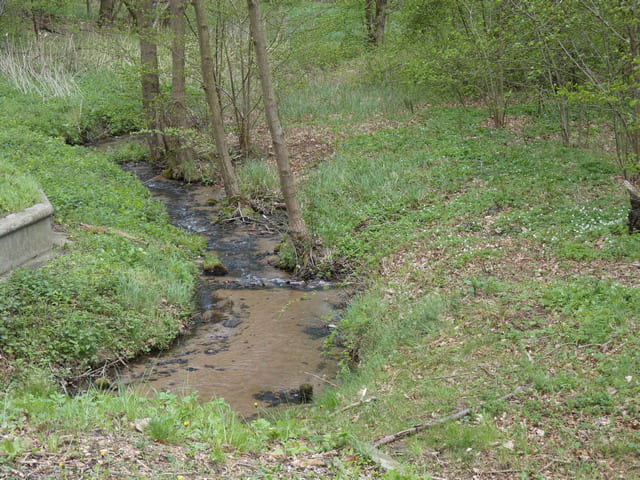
{"points": [[258, 179], [18, 190], [123, 285], [490, 270], [164, 419]]}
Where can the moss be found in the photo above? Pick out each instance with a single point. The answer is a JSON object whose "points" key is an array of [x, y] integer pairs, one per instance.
{"points": [[213, 266]]}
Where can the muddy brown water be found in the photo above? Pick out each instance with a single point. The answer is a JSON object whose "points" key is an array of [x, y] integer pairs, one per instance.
{"points": [[260, 334]]}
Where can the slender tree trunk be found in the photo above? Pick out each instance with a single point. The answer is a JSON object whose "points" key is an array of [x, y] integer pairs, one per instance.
{"points": [[142, 11], [181, 153], [297, 226], [105, 14], [633, 33], [151, 90], [375, 17], [380, 21], [213, 99], [370, 18]]}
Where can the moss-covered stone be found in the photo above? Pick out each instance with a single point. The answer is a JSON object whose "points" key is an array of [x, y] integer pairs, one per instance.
{"points": [[213, 266]]}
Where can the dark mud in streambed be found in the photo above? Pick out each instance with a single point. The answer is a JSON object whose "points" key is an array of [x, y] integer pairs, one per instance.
{"points": [[261, 333]]}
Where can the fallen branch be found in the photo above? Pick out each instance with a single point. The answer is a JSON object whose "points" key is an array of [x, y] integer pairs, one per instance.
{"points": [[99, 229], [323, 379], [455, 416]]}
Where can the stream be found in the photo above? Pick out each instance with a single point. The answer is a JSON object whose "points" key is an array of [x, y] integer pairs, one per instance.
{"points": [[260, 333]]}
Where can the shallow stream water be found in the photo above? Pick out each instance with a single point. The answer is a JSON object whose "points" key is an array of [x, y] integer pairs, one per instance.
{"points": [[260, 334]]}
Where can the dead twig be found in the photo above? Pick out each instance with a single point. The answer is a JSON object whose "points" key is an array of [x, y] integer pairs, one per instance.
{"points": [[115, 231], [102, 369], [355, 404], [455, 416], [322, 379]]}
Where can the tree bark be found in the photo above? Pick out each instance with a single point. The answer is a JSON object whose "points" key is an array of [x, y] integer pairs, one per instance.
{"points": [[181, 153], [150, 81], [213, 99], [297, 226], [105, 14], [634, 210], [375, 18], [381, 20]]}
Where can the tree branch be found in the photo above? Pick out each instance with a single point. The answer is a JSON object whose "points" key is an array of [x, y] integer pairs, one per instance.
{"points": [[455, 416]]}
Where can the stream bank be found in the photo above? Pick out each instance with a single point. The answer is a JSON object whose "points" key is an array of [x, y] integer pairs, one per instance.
{"points": [[260, 333]]}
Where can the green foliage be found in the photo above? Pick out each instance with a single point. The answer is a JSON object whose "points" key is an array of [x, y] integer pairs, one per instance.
{"points": [[133, 150], [287, 253], [372, 327], [598, 310], [87, 93], [320, 36], [113, 105], [335, 103], [169, 418]]}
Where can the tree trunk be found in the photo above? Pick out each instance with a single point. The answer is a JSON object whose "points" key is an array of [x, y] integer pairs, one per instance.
{"points": [[181, 153], [381, 20], [376, 18], [142, 11], [634, 211], [297, 227], [105, 14], [370, 18], [213, 99], [633, 33]]}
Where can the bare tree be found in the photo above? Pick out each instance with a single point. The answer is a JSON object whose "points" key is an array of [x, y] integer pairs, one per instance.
{"points": [[180, 153], [105, 13], [142, 13], [376, 18], [297, 226], [213, 99]]}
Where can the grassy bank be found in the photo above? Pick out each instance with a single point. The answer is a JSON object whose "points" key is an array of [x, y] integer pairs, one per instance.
{"points": [[123, 284], [493, 261]]}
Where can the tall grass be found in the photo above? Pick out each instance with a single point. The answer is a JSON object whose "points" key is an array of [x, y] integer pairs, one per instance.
{"points": [[50, 66], [336, 102], [40, 68], [258, 179]]}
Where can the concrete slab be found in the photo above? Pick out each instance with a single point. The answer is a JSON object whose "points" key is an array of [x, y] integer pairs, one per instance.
{"points": [[25, 235]]}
